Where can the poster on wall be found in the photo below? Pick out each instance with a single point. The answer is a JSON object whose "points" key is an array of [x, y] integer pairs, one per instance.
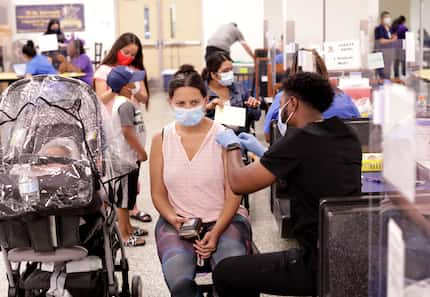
{"points": [[35, 18], [342, 55]]}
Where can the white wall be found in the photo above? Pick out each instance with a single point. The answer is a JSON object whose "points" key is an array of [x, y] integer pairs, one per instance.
{"points": [[100, 22], [273, 14], [249, 16], [343, 19], [415, 15], [308, 19]]}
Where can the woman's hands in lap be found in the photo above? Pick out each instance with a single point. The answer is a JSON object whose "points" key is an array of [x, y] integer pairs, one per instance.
{"points": [[207, 246]]}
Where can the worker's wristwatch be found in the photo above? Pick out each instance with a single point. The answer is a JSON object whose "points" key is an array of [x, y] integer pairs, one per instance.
{"points": [[233, 146]]}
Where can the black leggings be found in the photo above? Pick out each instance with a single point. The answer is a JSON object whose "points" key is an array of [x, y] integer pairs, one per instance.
{"points": [[281, 273]]}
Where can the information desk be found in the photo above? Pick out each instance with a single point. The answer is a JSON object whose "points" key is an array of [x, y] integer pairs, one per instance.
{"points": [[372, 183]]}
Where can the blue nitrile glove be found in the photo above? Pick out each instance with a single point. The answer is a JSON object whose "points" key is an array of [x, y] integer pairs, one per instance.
{"points": [[250, 143], [226, 138]]}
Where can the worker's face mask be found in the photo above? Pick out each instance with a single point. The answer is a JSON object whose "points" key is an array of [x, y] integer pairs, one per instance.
{"points": [[189, 117], [283, 125], [124, 60], [387, 21], [227, 78]]}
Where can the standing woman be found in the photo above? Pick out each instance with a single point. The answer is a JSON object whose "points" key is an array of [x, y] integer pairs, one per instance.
{"points": [[54, 27], [126, 51], [399, 28]]}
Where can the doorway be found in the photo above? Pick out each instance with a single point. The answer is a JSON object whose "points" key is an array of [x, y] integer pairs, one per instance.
{"points": [[170, 31]]}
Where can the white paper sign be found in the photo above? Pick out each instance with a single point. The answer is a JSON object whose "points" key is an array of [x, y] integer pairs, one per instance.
{"points": [[378, 107], [47, 42], [305, 60], [375, 61], [342, 55], [396, 261], [399, 145], [410, 46], [230, 116]]}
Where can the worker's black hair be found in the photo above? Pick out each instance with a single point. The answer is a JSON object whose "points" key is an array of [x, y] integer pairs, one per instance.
{"points": [[311, 88], [187, 76], [213, 64], [28, 49]]}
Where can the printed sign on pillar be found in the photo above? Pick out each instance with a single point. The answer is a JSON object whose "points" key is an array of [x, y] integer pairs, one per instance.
{"points": [[342, 55]]}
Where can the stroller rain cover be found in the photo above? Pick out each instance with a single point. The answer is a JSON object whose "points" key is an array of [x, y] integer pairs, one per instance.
{"points": [[52, 127]]}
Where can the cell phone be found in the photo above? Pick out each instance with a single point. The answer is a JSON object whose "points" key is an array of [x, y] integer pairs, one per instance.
{"points": [[191, 228]]}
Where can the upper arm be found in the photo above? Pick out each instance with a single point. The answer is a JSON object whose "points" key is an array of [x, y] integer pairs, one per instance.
{"points": [[227, 188], [251, 178], [156, 168], [239, 35], [100, 86], [127, 131]]}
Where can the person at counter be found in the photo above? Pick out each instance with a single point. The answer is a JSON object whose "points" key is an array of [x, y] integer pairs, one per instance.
{"points": [[79, 61], [224, 37], [383, 38], [36, 64], [317, 158], [399, 28], [223, 90]]}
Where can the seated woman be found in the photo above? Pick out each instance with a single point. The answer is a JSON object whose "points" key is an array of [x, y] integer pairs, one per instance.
{"points": [[36, 64], [342, 106], [222, 90], [188, 180], [80, 62]]}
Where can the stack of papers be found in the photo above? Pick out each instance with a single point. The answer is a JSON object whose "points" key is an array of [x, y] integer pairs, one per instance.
{"points": [[230, 116]]}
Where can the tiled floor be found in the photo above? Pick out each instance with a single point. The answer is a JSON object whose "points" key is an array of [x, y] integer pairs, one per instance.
{"points": [[144, 260]]}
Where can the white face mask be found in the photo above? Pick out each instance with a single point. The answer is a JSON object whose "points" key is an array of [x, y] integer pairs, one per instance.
{"points": [[281, 125], [136, 88], [387, 21], [227, 78]]}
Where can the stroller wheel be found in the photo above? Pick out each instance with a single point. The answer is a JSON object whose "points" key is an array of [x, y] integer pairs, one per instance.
{"points": [[136, 286]]}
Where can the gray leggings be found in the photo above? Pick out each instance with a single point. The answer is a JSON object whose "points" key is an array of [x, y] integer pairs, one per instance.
{"points": [[178, 257]]}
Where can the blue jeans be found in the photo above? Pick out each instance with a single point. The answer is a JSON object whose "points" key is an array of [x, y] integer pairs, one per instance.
{"points": [[178, 257]]}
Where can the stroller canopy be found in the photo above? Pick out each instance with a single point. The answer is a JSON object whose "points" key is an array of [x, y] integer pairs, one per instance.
{"points": [[53, 125]]}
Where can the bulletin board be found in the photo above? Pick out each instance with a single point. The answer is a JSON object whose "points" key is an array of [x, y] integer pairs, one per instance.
{"points": [[35, 18]]}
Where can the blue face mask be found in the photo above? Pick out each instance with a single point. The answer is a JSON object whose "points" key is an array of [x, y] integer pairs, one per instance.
{"points": [[189, 117], [227, 78]]}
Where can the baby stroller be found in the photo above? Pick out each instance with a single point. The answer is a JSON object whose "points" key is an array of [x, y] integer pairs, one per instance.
{"points": [[58, 232]]}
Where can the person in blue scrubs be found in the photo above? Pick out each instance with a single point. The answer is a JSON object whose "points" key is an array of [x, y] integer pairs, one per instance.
{"points": [[342, 106], [36, 64], [383, 38]]}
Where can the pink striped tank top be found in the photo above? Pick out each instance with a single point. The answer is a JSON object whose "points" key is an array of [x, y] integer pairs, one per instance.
{"points": [[195, 188]]}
